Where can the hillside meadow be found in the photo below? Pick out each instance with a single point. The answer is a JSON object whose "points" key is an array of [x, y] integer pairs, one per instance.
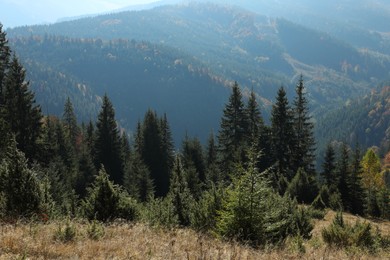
{"points": [[122, 240]]}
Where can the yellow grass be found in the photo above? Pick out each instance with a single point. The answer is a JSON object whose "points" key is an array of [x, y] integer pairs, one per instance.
{"points": [[139, 241]]}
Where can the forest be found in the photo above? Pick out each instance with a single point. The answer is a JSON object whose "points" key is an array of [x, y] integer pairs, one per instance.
{"points": [[253, 182]]}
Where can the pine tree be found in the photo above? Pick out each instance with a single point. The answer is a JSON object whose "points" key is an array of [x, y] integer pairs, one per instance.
{"points": [[282, 135], [70, 123], [192, 156], [102, 201], [255, 121], [233, 129], [107, 143], [153, 153], [19, 184], [180, 193], [343, 173], [304, 145], [5, 53], [19, 110], [329, 166], [356, 191]]}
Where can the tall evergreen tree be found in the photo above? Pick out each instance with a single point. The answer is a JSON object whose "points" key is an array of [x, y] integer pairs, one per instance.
{"points": [[5, 53], [19, 184], [343, 173], [282, 134], [329, 166], [192, 154], [107, 143], [232, 134], [180, 193], [19, 110], [356, 191], [152, 153], [255, 121], [304, 145], [70, 122]]}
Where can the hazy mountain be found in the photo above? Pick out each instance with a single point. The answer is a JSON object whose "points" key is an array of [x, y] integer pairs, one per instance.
{"points": [[223, 43], [239, 45], [135, 75], [365, 120]]}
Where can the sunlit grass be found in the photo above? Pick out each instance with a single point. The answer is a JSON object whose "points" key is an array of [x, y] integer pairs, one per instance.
{"points": [[140, 241]]}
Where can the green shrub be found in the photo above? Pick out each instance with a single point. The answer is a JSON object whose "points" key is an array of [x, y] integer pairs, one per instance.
{"points": [[67, 233], [95, 230], [316, 213], [360, 235], [160, 212]]}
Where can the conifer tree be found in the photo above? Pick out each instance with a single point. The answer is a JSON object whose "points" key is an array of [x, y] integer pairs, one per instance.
{"points": [[211, 151], [303, 130], [102, 202], [19, 110], [255, 121], [107, 143], [343, 173], [180, 193], [329, 166], [282, 135], [70, 122], [233, 129], [356, 191], [19, 184], [192, 156], [5, 53], [153, 153]]}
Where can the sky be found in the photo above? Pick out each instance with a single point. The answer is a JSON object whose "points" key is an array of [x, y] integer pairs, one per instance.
{"points": [[26, 12]]}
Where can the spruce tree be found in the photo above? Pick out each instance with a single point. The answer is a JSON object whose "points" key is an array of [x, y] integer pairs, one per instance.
{"points": [[356, 191], [304, 145], [343, 173], [5, 53], [282, 135], [153, 153], [19, 110], [19, 184], [232, 133], [103, 199], [192, 156], [180, 193], [255, 121], [107, 143], [328, 173], [70, 123]]}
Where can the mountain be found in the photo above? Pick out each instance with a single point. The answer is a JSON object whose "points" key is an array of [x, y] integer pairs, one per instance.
{"points": [[365, 120], [179, 59], [137, 76], [236, 44]]}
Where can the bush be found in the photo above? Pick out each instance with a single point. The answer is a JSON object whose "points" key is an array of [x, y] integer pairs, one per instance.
{"points": [[316, 213], [66, 234], [341, 234], [160, 212], [254, 213], [95, 230], [204, 212]]}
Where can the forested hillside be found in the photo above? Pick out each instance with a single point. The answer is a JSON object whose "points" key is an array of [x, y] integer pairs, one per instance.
{"points": [[365, 121], [256, 50], [136, 75]]}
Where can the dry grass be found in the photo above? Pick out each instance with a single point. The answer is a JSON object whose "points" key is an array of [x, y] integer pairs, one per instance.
{"points": [[139, 241]]}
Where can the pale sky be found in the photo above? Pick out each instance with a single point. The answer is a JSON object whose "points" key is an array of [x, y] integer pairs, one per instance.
{"points": [[22, 12]]}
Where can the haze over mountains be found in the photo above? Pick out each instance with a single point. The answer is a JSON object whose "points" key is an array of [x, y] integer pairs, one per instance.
{"points": [[186, 55]]}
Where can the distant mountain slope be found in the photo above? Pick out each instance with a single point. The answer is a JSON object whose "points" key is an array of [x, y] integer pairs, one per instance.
{"points": [[255, 50], [365, 120], [136, 76]]}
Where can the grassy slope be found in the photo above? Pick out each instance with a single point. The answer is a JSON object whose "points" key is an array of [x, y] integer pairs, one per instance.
{"points": [[126, 241]]}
